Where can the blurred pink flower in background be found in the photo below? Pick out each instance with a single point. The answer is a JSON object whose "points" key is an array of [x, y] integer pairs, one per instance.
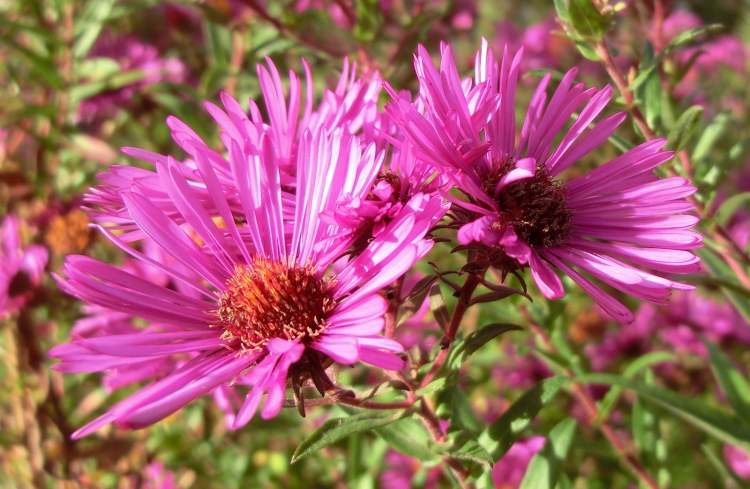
{"points": [[156, 476], [401, 470], [508, 472], [738, 460], [725, 51], [131, 54], [21, 268], [541, 47], [518, 371], [680, 325], [339, 16]]}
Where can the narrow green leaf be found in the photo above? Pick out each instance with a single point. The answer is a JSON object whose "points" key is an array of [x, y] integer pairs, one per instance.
{"points": [[691, 36], [561, 7], [685, 127], [416, 298], [519, 415], [369, 19], [730, 206], [732, 382], [337, 429], [453, 400], [710, 136], [631, 371], [544, 469], [41, 63], [409, 437], [480, 337], [438, 307], [719, 424], [89, 25], [471, 451]]}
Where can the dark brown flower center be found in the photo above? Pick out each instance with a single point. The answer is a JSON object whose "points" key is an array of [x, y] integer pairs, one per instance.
{"points": [[535, 207], [268, 299]]}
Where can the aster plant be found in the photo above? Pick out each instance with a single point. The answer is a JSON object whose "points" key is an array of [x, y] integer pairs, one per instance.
{"points": [[374, 243]]}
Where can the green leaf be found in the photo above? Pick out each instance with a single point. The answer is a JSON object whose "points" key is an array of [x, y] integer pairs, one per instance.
{"points": [[649, 90], [710, 136], [631, 371], [41, 63], [480, 337], [121, 79], [721, 270], [719, 424], [544, 469], [369, 19], [690, 36], [731, 380], [416, 298], [463, 348], [89, 23], [438, 307], [453, 400], [561, 7], [337, 429], [409, 437], [643, 426], [685, 128], [519, 415], [586, 19], [730, 206], [96, 68], [471, 451]]}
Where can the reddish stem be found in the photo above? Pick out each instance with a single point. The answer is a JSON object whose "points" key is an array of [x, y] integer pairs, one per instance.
{"points": [[464, 301]]}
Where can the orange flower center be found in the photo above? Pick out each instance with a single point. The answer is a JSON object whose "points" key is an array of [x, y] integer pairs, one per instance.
{"points": [[268, 299]]}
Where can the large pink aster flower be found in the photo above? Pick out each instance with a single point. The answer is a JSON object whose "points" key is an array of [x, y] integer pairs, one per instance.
{"points": [[275, 293], [617, 223], [21, 269]]}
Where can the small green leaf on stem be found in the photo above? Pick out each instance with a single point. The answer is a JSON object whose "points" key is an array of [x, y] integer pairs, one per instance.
{"points": [[337, 429]]}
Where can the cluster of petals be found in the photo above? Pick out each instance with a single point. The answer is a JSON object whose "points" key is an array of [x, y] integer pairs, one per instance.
{"points": [[264, 198], [627, 228], [22, 267]]}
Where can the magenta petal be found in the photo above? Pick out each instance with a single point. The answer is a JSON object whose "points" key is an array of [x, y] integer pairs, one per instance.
{"points": [[545, 278], [342, 349], [382, 359]]}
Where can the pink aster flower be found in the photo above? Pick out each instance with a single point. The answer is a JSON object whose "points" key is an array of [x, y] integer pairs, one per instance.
{"points": [[618, 224], [509, 471], [272, 298], [22, 267]]}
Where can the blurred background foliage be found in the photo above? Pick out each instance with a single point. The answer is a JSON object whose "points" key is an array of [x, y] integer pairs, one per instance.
{"points": [[79, 79]]}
